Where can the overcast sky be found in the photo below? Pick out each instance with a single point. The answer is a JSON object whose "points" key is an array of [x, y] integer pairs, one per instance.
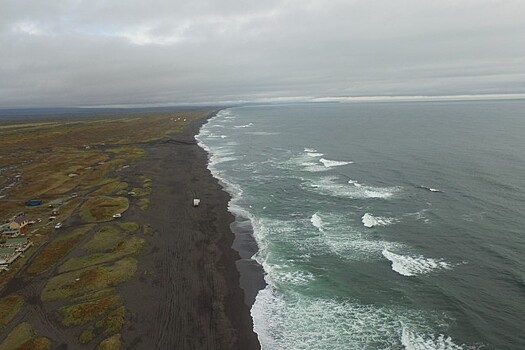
{"points": [[129, 52]]}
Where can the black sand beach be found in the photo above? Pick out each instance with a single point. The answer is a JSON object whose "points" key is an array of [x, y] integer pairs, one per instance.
{"points": [[186, 293]]}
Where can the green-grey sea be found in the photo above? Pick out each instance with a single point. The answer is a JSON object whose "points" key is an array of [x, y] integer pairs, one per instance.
{"points": [[380, 225]]}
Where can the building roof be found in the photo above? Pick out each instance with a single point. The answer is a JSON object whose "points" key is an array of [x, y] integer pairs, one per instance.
{"points": [[20, 219], [7, 251], [16, 240]]}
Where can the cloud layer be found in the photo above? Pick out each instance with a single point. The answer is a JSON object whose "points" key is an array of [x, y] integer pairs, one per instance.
{"points": [[75, 52]]}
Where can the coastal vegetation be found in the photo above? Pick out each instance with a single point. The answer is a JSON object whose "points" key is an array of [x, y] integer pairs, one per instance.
{"points": [[81, 173], [9, 307], [22, 337], [56, 250], [110, 343], [89, 279], [99, 209], [82, 313]]}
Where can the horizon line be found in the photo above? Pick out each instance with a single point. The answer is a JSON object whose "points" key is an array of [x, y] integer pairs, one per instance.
{"points": [[294, 99]]}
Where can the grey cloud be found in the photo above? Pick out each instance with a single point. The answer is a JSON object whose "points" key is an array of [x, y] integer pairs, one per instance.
{"points": [[135, 52]]}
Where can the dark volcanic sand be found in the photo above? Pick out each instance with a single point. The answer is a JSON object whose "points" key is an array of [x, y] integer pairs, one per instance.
{"points": [[186, 292]]}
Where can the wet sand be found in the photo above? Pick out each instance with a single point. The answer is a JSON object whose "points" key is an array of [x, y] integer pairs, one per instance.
{"points": [[186, 293]]}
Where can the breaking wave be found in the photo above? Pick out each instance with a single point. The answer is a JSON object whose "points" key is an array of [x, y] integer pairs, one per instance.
{"points": [[332, 163], [412, 266], [243, 126], [370, 221], [331, 185], [430, 189], [317, 221], [413, 341]]}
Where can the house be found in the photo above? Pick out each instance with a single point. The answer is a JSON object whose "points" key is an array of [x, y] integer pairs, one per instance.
{"points": [[17, 225], [6, 229]]}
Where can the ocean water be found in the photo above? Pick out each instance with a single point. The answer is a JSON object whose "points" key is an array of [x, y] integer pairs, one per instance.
{"points": [[381, 225]]}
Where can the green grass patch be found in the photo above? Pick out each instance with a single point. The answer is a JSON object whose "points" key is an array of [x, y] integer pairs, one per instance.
{"points": [[40, 343], [96, 295], [96, 176], [139, 191], [86, 336], [148, 230], [99, 209], [128, 226], [148, 182], [82, 313], [144, 203], [111, 188], [106, 239], [113, 322], [18, 336], [111, 343], [126, 247], [56, 250], [75, 283], [9, 307], [128, 153]]}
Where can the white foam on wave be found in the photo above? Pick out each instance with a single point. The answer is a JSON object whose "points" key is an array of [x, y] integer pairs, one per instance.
{"points": [[413, 341], [430, 189], [311, 160], [414, 265], [419, 215], [333, 163], [305, 162], [286, 274], [314, 154], [311, 152], [331, 185], [317, 221], [262, 133], [353, 245], [243, 126], [370, 221], [294, 321], [340, 237], [355, 183]]}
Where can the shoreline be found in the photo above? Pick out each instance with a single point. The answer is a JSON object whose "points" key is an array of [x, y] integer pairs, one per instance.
{"points": [[251, 278], [194, 264]]}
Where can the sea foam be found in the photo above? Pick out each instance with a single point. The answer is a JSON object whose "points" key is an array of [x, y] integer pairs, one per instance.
{"points": [[317, 221], [370, 221], [430, 189], [293, 321], [331, 185], [243, 126], [333, 163], [413, 341], [414, 265]]}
